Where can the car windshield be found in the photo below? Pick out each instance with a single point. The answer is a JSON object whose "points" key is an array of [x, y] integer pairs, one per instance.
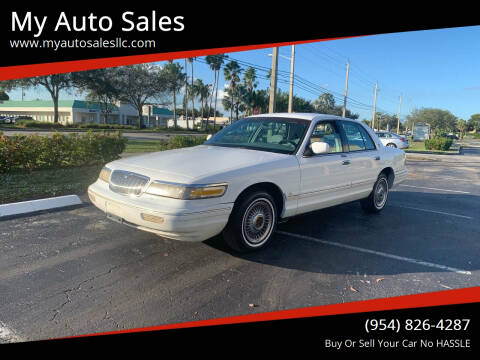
{"points": [[282, 135]]}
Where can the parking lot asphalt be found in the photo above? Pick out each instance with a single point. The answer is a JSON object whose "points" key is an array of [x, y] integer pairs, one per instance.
{"points": [[74, 272]]}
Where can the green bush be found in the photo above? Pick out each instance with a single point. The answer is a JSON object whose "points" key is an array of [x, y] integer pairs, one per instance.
{"points": [[20, 153], [438, 143], [38, 124], [179, 141], [102, 126]]}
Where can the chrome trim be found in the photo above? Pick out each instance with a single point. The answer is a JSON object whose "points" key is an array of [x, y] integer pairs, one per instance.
{"points": [[133, 184]]}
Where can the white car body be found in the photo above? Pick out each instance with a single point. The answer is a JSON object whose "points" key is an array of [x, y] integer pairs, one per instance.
{"points": [[305, 183], [391, 139]]}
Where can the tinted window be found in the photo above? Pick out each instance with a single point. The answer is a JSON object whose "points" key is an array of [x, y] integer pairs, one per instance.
{"points": [[354, 136], [326, 132], [358, 138], [268, 134], [367, 139]]}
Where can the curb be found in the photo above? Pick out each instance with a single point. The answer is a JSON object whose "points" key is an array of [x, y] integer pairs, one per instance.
{"points": [[7, 211]]}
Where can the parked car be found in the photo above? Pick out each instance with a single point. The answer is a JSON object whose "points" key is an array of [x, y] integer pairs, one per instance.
{"points": [[7, 120], [248, 176], [392, 140], [452, 137]]}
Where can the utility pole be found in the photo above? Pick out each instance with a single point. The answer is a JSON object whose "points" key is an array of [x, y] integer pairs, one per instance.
{"points": [[292, 66], [273, 81], [399, 110], [374, 106], [346, 90], [411, 130]]}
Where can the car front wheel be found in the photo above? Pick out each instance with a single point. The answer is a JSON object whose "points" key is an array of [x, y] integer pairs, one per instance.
{"points": [[377, 199], [252, 222]]}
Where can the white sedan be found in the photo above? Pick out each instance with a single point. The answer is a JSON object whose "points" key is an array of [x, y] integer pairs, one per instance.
{"points": [[392, 140], [250, 175]]}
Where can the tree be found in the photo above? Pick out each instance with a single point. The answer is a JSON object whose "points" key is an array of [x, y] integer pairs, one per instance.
{"points": [[4, 96], [102, 87], [231, 72], [324, 103], [299, 104], [384, 121], [474, 122], [139, 84], [54, 84], [250, 83], [215, 62], [173, 78], [260, 101], [237, 100], [439, 120], [462, 126], [203, 92], [190, 60]]}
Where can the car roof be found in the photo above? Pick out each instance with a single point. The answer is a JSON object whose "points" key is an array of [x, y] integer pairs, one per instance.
{"points": [[303, 116]]}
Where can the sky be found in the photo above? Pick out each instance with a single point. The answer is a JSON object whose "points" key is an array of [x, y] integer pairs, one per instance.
{"points": [[431, 68]]}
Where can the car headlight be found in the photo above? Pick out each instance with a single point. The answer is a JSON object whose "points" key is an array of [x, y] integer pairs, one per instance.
{"points": [[186, 192], [105, 174]]}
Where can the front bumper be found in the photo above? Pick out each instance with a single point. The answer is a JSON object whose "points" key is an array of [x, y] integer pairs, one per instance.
{"points": [[172, 223]]}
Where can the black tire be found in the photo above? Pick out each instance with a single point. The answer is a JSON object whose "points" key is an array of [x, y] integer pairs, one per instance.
{"points": [[252, 222], [391, 145], [377, 200]]}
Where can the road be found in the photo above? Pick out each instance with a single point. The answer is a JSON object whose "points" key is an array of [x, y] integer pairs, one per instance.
{"points": [[75, 272]]}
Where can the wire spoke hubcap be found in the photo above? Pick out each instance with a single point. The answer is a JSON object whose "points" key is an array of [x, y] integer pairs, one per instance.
{"points": [[381, 192], [258, 221]]}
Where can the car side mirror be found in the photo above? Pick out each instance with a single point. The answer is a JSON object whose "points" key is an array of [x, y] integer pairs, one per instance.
{"points": [[318, 147]]}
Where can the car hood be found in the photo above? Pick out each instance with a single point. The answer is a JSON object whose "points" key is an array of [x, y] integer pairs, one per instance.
{"points": [[187, 165]]}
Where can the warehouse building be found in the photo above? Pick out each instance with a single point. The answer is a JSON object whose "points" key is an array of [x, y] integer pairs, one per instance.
{"points": [[81, 111]]}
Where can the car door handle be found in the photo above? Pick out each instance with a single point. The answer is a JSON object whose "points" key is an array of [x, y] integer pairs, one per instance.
{"points": [[346, 162], [377, 157]]}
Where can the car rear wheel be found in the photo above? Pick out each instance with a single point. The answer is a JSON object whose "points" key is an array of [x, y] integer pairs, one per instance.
{"points": [[391, 145], [252, 222], [377, 199]]}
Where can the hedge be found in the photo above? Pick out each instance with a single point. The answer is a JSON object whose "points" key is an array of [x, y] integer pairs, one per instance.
{"points": [[438, 143], [49, 125], [32, 152]]}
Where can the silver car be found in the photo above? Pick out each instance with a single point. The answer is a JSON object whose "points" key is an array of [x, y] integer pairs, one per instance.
{"points": [[392, 140]]}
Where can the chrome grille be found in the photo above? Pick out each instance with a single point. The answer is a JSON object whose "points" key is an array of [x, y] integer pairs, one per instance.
{"points": [[127, 183]]}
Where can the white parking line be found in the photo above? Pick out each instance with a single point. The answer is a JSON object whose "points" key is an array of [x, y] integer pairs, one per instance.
{"points": [[378, 253], [434, 211], [422, 187], [8, 336]]}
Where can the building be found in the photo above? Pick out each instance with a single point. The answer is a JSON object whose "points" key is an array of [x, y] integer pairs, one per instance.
{"points": [[81, 111], [199, 122]]}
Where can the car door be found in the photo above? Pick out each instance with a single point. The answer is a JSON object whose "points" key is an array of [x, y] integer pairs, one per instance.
{"points": [[325, 178], [365, 159]]}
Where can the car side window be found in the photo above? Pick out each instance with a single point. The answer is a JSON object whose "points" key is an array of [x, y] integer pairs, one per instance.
{"points": [[326, 132], [354, 136], [369, 144]]}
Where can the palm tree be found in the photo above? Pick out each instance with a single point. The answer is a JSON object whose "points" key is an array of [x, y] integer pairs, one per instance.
{"points": [[203, 92], [190, 60], [174, 79], [231, 72], [250, 83], [215, 62]]}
